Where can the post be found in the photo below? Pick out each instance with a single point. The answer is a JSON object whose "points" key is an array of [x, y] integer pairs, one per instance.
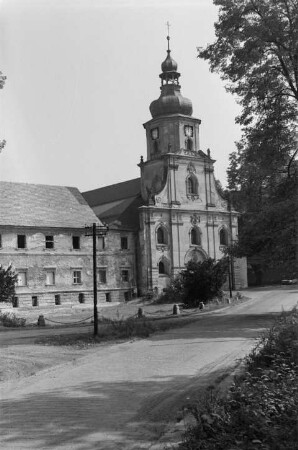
{"points": [[95, 280], [94, 231], [232, 274], [230, 281]]}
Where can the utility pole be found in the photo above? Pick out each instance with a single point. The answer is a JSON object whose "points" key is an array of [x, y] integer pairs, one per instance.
{"points": [[94, 231], [231, 260]]}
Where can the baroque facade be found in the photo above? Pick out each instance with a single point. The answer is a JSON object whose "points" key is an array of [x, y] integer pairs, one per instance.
{"points": [[173, 212]]}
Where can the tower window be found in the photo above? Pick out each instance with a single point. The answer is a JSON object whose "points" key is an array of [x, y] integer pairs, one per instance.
{"points": [[189, 144], [192, 185], [155, 133], [161, 236], [155, 146]]}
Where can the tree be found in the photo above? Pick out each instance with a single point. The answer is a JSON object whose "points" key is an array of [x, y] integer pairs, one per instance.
{"points": [[256, 53], [8, 281]]}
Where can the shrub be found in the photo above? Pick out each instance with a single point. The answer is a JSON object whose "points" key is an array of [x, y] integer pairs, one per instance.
{"points": [[202, 281], [260, 410], [198, 282], [11, 320], [8, 281]]}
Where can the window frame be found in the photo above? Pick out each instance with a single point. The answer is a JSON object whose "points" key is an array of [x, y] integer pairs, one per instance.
{"points": [[25, 272], [161, 264], [34, 300], [53, 272], [223, 232], [125, 275], [49, 242], [124, 239], [196, 233], [99, 272], [77, 279], [19, 236], [101, 243], [161, 235], [76, 238]]}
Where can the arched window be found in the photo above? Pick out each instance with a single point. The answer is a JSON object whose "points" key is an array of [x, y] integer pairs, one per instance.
{"points": [[223, 237], [192, 185], [161, 268], [161, 236], [189, 144], [195, 236]]}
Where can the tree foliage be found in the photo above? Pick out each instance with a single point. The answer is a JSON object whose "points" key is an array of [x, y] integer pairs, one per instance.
{"points": [[256, 54], [256, 51], [8, 281], [198, 282]]}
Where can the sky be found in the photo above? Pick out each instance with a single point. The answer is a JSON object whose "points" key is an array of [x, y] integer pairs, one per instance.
{"points": [[81, 75]]}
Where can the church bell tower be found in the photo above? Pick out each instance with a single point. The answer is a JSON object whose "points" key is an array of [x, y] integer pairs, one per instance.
{"points": [[183, 216]]}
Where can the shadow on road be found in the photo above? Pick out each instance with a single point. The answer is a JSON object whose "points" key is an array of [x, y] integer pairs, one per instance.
{"points": [[98, 415], [244, 326]]}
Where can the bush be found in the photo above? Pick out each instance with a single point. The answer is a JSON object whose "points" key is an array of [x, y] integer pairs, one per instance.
{"points": [[11, 320], [198, 282], [260, 410], [8, 281]]}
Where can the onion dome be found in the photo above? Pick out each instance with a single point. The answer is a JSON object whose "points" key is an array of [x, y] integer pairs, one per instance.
{"points": [[171, 100], [169, 65]]}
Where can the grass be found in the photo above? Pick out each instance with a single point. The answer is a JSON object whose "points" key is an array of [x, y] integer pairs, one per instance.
{"points": [[116, 330], [261, 408]]}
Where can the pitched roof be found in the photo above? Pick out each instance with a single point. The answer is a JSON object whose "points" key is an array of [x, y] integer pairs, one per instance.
{"points": [[39, 205], [117, 202], [114, 192]]}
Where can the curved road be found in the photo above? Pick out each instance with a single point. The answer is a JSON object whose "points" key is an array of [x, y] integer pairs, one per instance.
{"points": [[123, 395]]}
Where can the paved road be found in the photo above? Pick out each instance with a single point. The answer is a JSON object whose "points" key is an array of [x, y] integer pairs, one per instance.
{"points": [[122, 395]]}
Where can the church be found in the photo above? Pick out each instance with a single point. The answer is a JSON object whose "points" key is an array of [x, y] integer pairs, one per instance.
{"points": [[173, 213]]}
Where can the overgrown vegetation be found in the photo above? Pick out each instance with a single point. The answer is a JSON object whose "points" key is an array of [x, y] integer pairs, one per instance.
{"points": [[9, 319], [256, 53], [112, 330], [261, 408], [198, 282], [8, 281]]}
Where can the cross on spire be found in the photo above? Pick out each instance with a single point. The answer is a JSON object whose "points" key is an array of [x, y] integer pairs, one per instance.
{"points": [[168, 36]]}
